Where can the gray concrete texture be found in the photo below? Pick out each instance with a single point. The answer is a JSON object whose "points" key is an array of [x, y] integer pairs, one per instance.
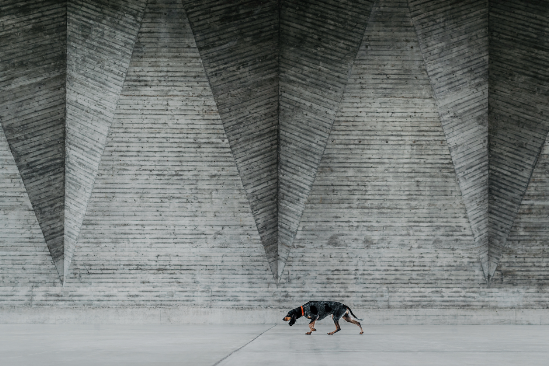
{"points": [[169, 153], [61, 345]]}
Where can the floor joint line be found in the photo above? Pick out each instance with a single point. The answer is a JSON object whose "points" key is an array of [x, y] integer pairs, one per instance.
{"points": [[238, 349]]}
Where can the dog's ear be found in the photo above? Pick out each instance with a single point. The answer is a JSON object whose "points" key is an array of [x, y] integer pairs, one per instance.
{"points": [[292, 321]]}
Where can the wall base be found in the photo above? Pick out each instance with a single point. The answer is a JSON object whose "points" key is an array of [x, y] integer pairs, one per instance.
{"points": [[188, 315]]}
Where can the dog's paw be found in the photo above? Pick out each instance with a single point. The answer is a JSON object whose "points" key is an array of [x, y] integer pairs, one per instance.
{"points": [[308, 333], [314, 330], [361, 332]]}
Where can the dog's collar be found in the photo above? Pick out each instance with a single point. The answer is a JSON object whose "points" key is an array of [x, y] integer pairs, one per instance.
{"points": [[302, 312]]}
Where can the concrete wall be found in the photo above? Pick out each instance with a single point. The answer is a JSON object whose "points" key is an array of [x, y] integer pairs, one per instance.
{"points": [[238, 43], [519, 123], [319, 42], [261, 154], [385, 214], [454, 44], [101, 38]]}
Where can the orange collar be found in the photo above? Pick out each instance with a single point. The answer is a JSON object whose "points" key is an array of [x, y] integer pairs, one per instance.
{"points": [[302, 312]]}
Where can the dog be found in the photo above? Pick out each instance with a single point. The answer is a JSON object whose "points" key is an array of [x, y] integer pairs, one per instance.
{"points": [[318, 310]]}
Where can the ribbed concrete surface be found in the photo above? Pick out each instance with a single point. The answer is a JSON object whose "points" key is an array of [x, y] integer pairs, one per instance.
{"points": [[319, 42], [238, 43], [386, 191], [188, 201], [101, 36], [168, 177], [456, 57]]}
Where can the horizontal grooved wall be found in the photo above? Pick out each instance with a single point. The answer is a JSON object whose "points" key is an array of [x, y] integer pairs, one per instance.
{"points": [[456, 57], [261, 154], [240, 56], [319, 40], [101, 38], [385, 210]]}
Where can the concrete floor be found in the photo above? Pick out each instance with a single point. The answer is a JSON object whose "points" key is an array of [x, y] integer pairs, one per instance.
{"points": [[195, 345]]}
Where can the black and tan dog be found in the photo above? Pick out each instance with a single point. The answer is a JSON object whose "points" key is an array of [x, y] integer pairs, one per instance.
{"points": [[318, 310]]}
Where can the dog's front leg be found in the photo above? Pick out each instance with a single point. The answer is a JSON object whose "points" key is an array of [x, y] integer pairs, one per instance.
{"points": [[312, 326], [338, 328]]}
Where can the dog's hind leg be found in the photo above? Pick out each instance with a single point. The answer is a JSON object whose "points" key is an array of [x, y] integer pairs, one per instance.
{"points": [[348, 318]]}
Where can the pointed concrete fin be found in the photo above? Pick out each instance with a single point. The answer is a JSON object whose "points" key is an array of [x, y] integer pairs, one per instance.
{"points": [[195, 215], [33, 112], [281, 265], [60, 266], [519, 110], [318, 43], [20, 237], [238, 44], [101, 36], [455, 51]]}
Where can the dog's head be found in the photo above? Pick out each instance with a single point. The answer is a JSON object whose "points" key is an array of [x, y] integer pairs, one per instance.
{"points": [[292, 316]]}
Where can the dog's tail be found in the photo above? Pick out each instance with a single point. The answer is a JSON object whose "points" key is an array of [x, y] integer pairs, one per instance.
{"points": [[356, 317]]}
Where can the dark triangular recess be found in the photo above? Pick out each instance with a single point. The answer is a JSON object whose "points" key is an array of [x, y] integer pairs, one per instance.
{"points": [[518, 109], [21, 238], [33, 113]]}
